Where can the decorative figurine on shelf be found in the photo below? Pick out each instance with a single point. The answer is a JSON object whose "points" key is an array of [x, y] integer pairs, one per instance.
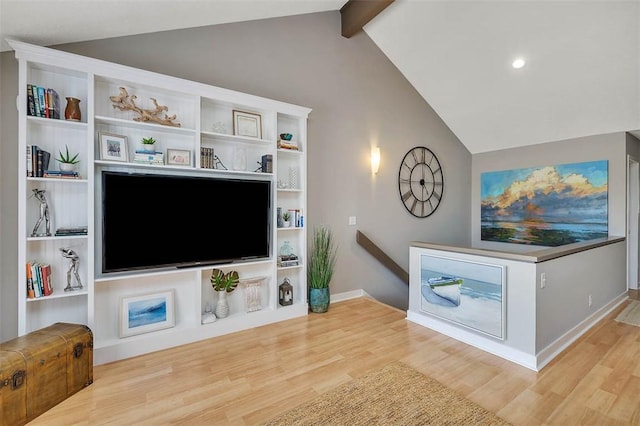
{"points": [[73, 269], [44, 214], [126, 102]]}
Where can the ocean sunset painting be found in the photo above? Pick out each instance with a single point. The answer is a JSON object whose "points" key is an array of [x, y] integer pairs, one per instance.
{"points": [[545, 206]]}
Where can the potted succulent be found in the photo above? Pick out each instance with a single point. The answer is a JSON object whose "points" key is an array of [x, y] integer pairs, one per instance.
{"points": [[148, 144], [322, 260], [67, 162], [223, 283], [286, 216]]}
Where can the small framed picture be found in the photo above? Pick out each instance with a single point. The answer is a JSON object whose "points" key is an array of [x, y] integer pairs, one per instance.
{"points": [[146, 313], [113, 147], [247, 124], [178, 157]]}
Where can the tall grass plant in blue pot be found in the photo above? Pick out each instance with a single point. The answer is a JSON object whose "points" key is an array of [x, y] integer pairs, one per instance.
{"points": [[322, 261]]}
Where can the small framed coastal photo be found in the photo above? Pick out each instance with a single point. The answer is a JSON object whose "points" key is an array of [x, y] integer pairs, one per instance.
{"points": [[146, 313], [247, 124], [178, 157], [113, 147]]}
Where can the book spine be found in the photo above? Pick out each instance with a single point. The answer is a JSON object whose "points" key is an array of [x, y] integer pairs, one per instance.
{"points": [[30, 292], [30, 105], [39, 169], [36, 101], [41, 101], [29, 161], [34, 160], [46, 282], [56, 105]]}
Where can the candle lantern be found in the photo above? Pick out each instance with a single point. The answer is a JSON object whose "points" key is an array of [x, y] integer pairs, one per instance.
{"points": [[285, 294]]}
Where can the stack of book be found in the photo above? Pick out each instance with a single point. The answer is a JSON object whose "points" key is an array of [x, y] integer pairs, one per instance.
{"points": [[288, 260], [58, 174], [149, 157], [72, 230], [38, 280], [207, 158], [37, 161], [42, 102]]}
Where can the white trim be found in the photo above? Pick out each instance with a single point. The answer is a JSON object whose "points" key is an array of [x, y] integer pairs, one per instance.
{"points": [[347, 295], [550, 352], [481, 342]]}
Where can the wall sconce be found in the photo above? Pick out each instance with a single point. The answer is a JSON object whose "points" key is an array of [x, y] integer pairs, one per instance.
{"points": [[375, 159]]}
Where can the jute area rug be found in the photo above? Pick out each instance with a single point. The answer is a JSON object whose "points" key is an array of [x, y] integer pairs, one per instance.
{"points": [[630, 314], [394, 395]]}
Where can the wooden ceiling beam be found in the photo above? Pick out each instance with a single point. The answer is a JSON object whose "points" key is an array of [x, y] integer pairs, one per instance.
{"points": [[357, 13]]}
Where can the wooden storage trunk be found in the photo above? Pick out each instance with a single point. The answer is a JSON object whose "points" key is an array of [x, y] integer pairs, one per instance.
{"points": [[42, 368]]}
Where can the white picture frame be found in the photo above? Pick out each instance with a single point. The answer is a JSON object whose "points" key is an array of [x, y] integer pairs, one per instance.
{"points": [[470, 294], [178, 157], [146, 313], [247, 124], [113, 147]]}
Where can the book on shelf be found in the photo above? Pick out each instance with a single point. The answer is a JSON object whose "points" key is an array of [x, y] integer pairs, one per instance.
{"points": [[72, 230], [30, 290], [266, 165], [39, 283], [58, 174], [148, 157], [37, 161], [31, 106], [207, 158], [42, 102]]}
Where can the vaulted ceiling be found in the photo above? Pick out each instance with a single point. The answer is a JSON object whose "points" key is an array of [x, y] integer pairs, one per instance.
{"points": [[581, 76]]}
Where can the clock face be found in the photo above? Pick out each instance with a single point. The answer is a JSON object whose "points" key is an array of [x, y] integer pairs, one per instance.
{"points": [[420, 181]]}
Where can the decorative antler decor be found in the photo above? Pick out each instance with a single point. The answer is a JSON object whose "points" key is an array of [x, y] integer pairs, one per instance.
{"points": [[126, 102]]}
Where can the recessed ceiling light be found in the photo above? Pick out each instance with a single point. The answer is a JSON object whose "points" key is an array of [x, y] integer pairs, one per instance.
{"points": [[518, 63]]}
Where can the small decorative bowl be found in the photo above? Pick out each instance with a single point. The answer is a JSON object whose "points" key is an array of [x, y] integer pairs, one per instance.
{"points": [[286, 136]]}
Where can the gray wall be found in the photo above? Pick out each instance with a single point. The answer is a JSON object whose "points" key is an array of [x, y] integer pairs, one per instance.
{"points": [[359, 99], [8, 194], [612, 147]]}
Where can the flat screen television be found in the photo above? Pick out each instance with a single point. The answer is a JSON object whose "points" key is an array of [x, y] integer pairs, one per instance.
{"points": [[152, 221]]}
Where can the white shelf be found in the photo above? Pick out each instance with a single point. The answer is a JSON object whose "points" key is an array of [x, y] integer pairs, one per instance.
{"points": [[58, 295], [198, 107], [119, 122]]}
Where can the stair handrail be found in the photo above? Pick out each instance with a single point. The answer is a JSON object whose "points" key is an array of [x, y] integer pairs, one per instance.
{"points": [[381, 256]]}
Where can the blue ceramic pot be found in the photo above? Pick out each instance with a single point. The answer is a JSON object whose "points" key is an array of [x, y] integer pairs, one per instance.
{"points": [[319, 299]]}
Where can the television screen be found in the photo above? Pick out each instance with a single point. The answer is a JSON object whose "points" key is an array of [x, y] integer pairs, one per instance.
{"points": [[155, 221]]}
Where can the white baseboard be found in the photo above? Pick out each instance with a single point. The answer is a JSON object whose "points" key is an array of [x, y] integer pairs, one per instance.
{"points": [[493, 347], [347, 295], [550, 352]]}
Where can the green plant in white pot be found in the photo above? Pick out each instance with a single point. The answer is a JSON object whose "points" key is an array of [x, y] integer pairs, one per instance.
{"points": [[322, 261], [148, 144], [223, 283], [67, 161]]}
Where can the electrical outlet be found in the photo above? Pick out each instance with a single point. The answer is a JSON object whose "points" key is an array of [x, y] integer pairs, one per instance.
{"points": [[590, 301], [543, 280], [352, 220]]}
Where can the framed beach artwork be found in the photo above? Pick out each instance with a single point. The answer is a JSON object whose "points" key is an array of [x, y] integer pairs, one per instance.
{"points": [[470, 294], [545, 206], [145, 313]]}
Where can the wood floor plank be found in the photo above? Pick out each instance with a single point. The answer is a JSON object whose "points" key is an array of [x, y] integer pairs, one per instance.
{"points": [[251, 376]]}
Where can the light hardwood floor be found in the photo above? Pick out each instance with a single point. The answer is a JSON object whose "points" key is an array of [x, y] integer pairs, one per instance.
{"points": [[250, 376]]}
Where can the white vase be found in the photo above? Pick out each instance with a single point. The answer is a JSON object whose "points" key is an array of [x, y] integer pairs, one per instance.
{"points": [[67, 167], [222, 307]]}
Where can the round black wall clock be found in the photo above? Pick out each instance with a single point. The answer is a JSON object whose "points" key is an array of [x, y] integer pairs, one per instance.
{"points": [[420, 181]]}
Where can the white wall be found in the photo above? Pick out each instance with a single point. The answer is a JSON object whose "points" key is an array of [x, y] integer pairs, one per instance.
{"points": [[611, 147]]}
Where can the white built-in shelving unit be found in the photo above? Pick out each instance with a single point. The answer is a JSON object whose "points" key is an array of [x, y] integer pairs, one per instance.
{"points": [[205, 116]]}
